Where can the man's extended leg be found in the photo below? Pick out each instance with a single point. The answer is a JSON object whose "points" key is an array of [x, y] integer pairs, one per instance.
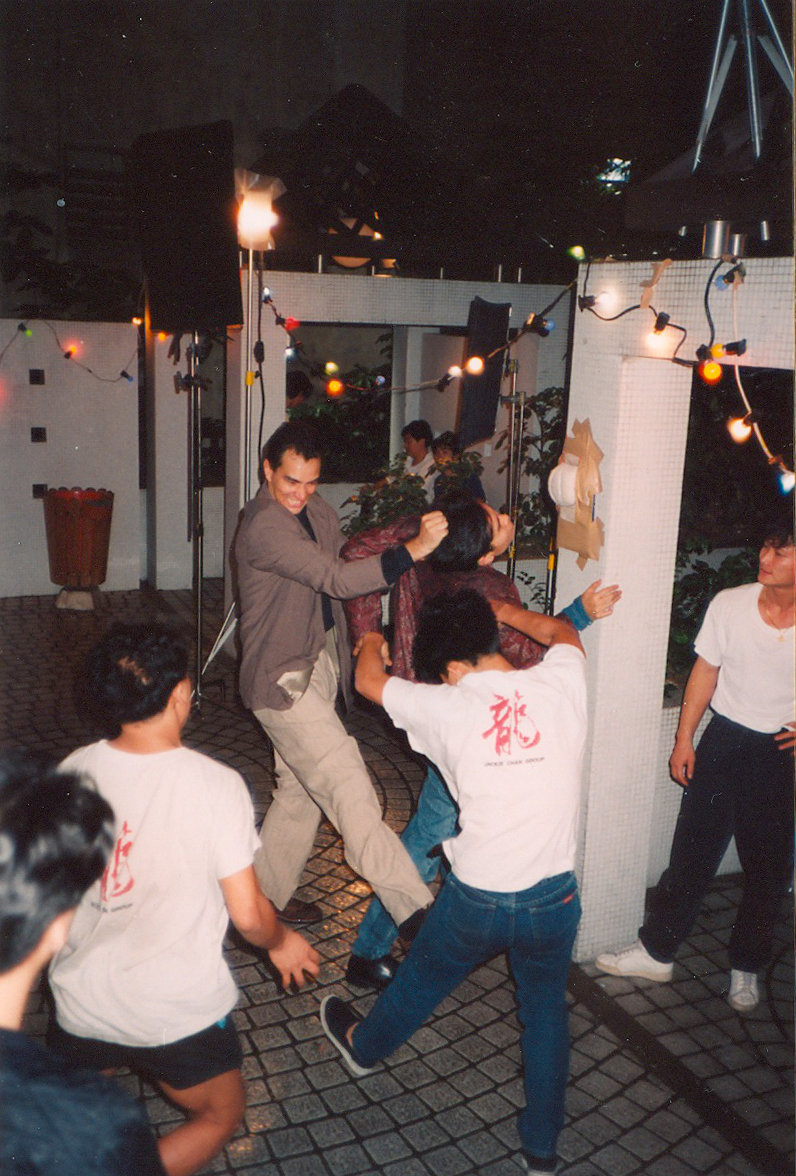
{"points": [[311, 739], [434, 820], [455, 938]]}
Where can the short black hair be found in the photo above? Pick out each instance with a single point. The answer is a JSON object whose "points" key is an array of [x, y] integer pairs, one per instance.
{"points": [[56, 835], [778, 532], [469, 533], [455, 626], [447, 440], [298, 384], [420, 430], [298, 435], [132, 671]]}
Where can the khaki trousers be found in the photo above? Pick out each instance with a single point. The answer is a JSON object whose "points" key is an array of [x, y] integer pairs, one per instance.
{"points": [[319, 768]]}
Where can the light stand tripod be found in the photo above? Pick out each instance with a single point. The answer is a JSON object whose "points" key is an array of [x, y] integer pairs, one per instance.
{"points": [[231, 620], [723, 54]]}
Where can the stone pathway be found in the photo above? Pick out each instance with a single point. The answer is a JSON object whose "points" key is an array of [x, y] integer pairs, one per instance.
{"points": [[666, 1080]]}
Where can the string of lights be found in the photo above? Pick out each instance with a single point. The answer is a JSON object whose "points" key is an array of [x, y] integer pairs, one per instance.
{"points": [[707, 364], [70, 352]]}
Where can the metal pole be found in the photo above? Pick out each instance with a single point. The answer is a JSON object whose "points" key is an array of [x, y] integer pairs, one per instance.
{"points": [[198, 520], [247, 396]]}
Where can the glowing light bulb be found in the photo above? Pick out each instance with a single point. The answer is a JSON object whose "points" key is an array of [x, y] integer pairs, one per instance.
{"points": [[162, 336], [474, 365], [256, 219], [331, 368], [577, 252], [335, 388], [136, 321], [454, 371], [657, 341], [711, 371], [787, 479], [717, 350], [739, 429]]}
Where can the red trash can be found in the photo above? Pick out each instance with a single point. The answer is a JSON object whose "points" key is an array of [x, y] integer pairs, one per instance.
{"points": [[78, 524]]}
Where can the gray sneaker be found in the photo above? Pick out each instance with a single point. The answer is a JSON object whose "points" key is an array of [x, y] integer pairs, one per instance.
{"points": [[634, 960], [744, 993]]}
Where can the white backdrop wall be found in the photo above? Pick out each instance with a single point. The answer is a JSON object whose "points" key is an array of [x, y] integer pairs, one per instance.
{"points": [[92, 442]]}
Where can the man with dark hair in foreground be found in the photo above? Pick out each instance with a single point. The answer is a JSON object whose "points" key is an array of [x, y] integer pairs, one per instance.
{"points": [[55, 837], [509, 744], [141, 980]]}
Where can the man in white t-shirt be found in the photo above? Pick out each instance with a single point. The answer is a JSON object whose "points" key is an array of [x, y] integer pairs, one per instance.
{"points": [[509, 744], [739, 780], [417, 441], [142, 981]]}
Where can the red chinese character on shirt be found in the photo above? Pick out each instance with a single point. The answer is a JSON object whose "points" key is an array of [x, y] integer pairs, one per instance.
{"points": [[511, 721], [117, 879]]}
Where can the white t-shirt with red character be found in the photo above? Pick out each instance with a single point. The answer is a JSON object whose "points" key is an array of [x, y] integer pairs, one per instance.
{"points": [[143, 963], [510, 748]]}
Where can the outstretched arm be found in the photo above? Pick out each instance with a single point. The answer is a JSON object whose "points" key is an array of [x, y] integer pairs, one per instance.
{"points": [[254, 916], [698, 692], [593, 604], [538, 626], [370, 675]]}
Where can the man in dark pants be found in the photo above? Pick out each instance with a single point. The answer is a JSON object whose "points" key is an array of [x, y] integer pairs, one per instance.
{"points": [[739, 781]]}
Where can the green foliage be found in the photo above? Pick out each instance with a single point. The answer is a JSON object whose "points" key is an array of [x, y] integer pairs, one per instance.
{"points": [[401, 495], [693, 591], [543, 435], [354, 428]]}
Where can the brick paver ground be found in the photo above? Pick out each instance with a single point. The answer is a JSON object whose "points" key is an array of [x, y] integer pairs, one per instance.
{"points": [[666, 1080]]}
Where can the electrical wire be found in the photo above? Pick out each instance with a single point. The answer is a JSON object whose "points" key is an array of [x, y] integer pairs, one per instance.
{"points": [[706, 301]]}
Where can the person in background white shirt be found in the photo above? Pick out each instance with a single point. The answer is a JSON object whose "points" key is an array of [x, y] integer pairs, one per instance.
{"points": [[737, 782]]}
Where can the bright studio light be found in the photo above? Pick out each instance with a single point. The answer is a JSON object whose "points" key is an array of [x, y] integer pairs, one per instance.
{"points": [[256, 219], [474, 365]]}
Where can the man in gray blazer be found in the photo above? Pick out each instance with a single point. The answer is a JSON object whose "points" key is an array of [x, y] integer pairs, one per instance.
{"points": [[295, 654]]}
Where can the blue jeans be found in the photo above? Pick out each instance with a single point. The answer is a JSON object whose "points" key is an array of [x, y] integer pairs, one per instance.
{"points": [[465, 928], [434, 820]]}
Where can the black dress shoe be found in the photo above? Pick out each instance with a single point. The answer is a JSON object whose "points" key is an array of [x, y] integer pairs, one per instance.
{"points": [[407, 931], [364, 973], [298, 913]]}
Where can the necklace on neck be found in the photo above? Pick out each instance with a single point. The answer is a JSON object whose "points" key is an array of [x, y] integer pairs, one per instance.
{"points": [[781, 629]]}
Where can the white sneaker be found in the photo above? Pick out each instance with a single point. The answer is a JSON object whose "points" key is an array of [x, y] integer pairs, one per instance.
{"points": [[744, 995], [634, 960]]}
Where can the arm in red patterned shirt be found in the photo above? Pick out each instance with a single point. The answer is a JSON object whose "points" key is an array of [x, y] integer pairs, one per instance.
{"points": [[363, 613]]}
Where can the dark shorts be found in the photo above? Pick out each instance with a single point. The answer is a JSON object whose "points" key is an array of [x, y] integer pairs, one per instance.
{"points": [[181, 1064]]}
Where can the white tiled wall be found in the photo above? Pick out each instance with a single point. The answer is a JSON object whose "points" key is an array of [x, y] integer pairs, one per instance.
{"points": [[91, 418]]}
